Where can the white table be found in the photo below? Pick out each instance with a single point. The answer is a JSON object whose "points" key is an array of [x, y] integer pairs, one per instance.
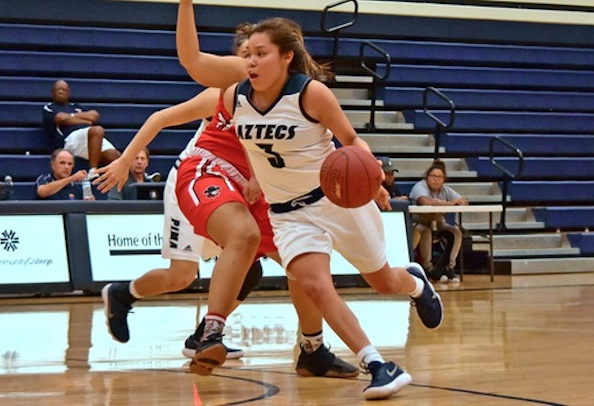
{"points": [[492, 208]]}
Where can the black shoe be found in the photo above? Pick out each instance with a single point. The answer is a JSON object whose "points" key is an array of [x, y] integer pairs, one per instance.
{"points": [[210, 354], [451, 275], [190, 346], [116, 312], [436, 274], [429, 306], [322, 362], [387, 378]]}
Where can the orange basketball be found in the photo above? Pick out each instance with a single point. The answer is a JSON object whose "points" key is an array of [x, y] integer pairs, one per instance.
{"points": [[350, 177]]}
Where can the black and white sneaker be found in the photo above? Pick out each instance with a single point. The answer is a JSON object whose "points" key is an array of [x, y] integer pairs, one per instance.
{"points": [[322, 362], [387, 378], [210, 353], [429, 306], [190, 346], [450, 275], [116, 312]]}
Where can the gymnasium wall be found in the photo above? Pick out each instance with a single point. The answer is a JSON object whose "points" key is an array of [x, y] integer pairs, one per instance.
{"points": [[377, 19]]}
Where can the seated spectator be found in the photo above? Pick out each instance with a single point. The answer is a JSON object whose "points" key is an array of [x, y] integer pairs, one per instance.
{"points": [[389, 184], [74, 128], [61, 184], [433, 191], [137, 175]]}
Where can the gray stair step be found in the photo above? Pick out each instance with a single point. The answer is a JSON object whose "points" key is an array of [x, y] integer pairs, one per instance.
{"points": [[527, 241], [494, 199], [350, 93], [395, 143], [420, 165], [533, 266], [511, 225], [362, 125], [396, 140], [384, 120], [474, 188], [542, 252], [404, 174], [352, 79], [346, 103], [512, 214]]}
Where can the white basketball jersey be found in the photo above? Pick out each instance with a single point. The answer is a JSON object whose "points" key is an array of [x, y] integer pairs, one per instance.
{"points": [[285, 146]]}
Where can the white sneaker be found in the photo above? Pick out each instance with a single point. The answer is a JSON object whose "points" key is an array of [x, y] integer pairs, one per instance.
{"points": [[92, 174]]}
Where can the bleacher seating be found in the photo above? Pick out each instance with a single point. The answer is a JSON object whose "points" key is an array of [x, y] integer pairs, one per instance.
{"points": [[113, 115], [502, 122], [29, 167], [537, 168], [38, 89], [494, 99], [579, 217], [533, 144], [536, 95], [16, 140], [584, 241], [545, 193]]}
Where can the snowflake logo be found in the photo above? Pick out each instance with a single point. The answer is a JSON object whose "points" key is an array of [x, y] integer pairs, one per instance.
{"points": [[9, 240]]}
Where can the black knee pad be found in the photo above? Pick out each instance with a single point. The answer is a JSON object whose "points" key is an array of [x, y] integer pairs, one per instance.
{"points": [[252, 279]]}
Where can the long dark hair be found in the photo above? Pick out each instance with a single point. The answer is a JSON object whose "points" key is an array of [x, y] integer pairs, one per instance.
{"points": [[287, 35], [437, 164]]}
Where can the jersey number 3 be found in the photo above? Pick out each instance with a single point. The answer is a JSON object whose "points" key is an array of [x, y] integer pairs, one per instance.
{"points": [[275, 159]]}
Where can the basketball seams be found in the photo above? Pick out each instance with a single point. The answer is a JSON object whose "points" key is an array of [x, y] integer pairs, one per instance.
{"points": [[349, 177]]}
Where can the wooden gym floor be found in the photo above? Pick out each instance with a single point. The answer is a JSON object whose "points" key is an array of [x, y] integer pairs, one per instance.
{"points": [[522, 340]]}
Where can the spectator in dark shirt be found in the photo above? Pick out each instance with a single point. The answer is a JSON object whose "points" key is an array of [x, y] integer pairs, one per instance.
{"points": [[73, 127], [389, 184], [61, 184], [137, 175]]}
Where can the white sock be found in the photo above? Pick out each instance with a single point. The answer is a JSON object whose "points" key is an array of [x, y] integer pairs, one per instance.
{"points": [[133, 291], [418, 289], [369, 354]]}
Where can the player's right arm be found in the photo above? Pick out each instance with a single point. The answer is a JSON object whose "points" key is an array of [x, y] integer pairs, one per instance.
{"points": [[199, 107], [207, 69]]}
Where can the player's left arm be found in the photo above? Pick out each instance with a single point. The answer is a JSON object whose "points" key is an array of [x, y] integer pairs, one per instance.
{"points": [[320, 104]]}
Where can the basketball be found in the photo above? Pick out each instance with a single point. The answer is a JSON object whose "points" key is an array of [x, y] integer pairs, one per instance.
{"points": [[350, 177]]}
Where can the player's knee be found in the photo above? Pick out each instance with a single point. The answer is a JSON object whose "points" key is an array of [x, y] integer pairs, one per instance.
{"points": [[246, 237], [252, 279], [315, 289]]}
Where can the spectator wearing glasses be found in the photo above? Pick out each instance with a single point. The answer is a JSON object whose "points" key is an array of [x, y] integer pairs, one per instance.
{"points": [[433, 191]]}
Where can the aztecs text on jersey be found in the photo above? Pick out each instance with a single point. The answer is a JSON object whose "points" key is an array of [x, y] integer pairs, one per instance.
{"points": [[286, 147]]}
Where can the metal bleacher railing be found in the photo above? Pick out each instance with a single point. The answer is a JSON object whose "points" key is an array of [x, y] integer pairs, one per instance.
{"points": [[508, 175], [364, 63], [440, 125]]}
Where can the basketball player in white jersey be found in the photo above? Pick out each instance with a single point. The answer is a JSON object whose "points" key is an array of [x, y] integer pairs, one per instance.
{"points": [[285, 122], [212, 159]]}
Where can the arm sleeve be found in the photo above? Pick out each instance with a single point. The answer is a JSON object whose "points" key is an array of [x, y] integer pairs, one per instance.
{"points": [[418, 190], [450, 193]]}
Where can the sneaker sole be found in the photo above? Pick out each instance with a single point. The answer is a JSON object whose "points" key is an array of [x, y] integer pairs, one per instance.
{"points": [[426, 280], [329, 374], [107, 312], [189, 353], [205, 361], [390, 389]]}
